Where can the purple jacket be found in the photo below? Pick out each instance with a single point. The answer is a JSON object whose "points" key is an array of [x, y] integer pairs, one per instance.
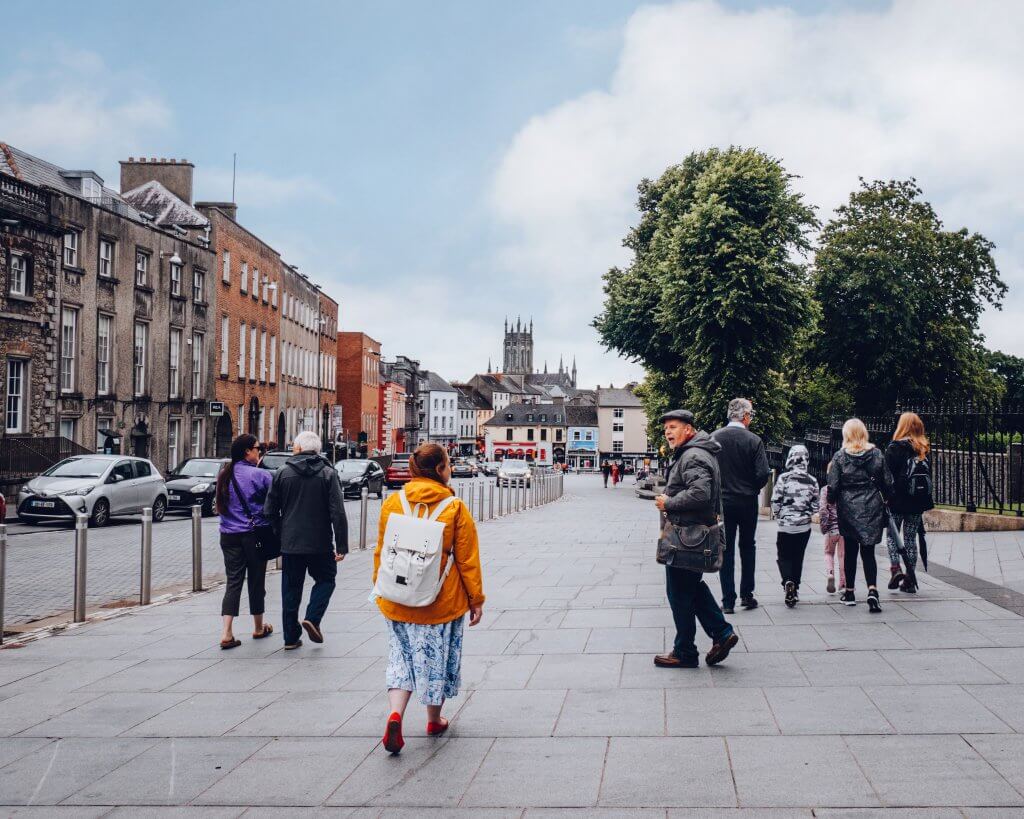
{"points": [[254, 483]]}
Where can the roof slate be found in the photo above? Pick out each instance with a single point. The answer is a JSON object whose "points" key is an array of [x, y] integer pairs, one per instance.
{"points": [[610, 397], [583, 416], [519, 415], [165, 207]]}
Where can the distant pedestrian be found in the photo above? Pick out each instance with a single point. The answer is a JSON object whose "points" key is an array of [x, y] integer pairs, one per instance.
{"points": [[794, 502], [907, 459], [241, 490], [615, 475], [834, 547], [606, 471], [860, 482], [306, 506], [745, 470], [425, 642], [692, 498]]}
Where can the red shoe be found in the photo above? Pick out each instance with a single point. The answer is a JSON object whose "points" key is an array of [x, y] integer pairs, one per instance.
{"points": [[435, 729], [393, 742]]}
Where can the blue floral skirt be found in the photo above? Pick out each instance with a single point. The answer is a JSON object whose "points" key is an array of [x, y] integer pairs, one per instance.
{"points": [[425, 659]]}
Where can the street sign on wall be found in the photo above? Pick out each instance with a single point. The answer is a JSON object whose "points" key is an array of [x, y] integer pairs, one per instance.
{"points": [[216, 409], [336, 419]]}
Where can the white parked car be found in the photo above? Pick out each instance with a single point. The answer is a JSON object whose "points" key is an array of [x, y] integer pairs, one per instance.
{"points": [[98, 485], [513, 472]]}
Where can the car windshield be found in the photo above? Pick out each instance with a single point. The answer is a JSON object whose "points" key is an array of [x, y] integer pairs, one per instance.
{"points": [[198, 468], [275, 460], [351, 466], [78, 468], [514, 466]]}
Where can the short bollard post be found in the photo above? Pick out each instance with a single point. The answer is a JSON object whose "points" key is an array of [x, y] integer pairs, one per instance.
{"points": [[146, 571], [490, 513], [364, 496], [501, 497], [521, 496], [3, 576], [469, 499], [481, 515], [197, 548], [81, 547]]}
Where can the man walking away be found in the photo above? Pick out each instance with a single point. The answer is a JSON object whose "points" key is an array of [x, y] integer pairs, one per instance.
{"points": [[692, 497], [304, 504], [745, 469], [606, 470]]}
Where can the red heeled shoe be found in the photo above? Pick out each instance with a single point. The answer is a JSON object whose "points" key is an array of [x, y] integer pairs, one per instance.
{"points": [[435, 729], [393, 742]]}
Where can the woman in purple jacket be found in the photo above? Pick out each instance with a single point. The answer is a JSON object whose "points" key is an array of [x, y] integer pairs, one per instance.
{"points": [[239, 517]]}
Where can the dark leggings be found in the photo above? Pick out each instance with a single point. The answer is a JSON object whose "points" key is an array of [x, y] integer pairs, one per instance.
{"points": [[867, 556], [238, 562]]}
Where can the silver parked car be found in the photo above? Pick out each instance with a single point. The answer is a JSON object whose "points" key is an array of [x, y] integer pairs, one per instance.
{"points": [[98, 485], [513, 472]]}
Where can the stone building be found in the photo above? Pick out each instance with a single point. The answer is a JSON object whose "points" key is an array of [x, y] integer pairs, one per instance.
{"points": [[623, 427], [391, 426], [359, 389], [300, 355], [405, 372], [438, 409], [327, 387], [526, 431], [518, 349]]}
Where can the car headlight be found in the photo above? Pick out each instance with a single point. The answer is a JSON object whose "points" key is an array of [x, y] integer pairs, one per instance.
{"points": [[85, 490], [199, 488]]}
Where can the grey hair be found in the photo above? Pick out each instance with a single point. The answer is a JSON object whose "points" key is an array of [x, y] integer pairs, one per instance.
{"points": [[739, 407], [308, 442]]}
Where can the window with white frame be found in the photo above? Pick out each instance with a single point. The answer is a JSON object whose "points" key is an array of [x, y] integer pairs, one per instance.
{"points": [[617, 426], [175, 279], [241, 349], [590, 435], [273, 296], [104, 339], [243, 280], [241, 422], [225, 332], [252, 352], [616, 446], [617, 412], [141, 269], [255, 282], [71, 249], [198, 285], [266, 292], [68, 348], [263, 355], [18, 285], [173, 441], [197, 366], [103, 423], [140, 357], [174, 365], [225, 267], [69, 428], [17, 389], [106, 265], [197, 437], [273, 360]]}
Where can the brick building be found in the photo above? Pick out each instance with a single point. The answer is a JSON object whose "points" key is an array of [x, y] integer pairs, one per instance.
{"points": [[391, 424], [300, 351], [327, 388], [358, 389]]}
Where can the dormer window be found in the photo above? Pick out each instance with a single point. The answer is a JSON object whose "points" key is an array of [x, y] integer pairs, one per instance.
{"points": [[91, 189], [529, 417], [508, 416]]}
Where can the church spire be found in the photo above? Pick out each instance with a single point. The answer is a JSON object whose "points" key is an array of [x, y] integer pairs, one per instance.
{"points": [[488, 364], [574, 371], [561, 367], [545, 366]]}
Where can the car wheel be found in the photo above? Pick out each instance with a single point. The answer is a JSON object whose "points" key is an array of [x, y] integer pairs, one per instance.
{"points": [[380, 491], [208, 510], [159, 509], [100, 513]]}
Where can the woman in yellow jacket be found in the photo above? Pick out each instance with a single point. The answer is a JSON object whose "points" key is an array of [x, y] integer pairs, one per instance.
{"points": [[425, 643]]}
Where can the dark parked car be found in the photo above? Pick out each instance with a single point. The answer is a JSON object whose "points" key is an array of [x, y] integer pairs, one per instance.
{"points": [[194, 481], [273, 461], [355, 474], [398, 473]]}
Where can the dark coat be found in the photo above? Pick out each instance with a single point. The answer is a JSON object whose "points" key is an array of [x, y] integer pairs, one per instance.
{"points": [[743, 462], [304, 504], [897, 457], [859, 484], [694, 485]]}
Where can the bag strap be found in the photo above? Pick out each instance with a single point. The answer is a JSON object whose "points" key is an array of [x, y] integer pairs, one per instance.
{"points": [[241, 498], [406, 508], [441, 507]]}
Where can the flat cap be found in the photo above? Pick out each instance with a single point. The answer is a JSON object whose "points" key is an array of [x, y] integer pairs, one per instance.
{"points": [[678, 415]]}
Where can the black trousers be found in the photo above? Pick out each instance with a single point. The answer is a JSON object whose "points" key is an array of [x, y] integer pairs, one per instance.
{"points": [[867, 557], [691, 600], [791, 547], [740, 519], [322, 568], [239, 562]]}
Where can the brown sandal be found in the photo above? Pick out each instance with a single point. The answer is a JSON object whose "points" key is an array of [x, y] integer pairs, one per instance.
{"points": [[225, 644], [267, 631]]}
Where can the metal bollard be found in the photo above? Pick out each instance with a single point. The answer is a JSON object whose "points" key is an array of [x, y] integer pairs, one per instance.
{"points": [[521, 495], [146, 571], [480, 505], [3, 576], [490, 510], [197, 548], [469, 499], [81, 547], [364, 496]]}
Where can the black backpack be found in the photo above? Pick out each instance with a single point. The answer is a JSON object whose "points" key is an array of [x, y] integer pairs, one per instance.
{"points": [[919, 480]]}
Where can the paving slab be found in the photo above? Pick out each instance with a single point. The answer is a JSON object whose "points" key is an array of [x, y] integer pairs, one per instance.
{"points": [[676, 772]]}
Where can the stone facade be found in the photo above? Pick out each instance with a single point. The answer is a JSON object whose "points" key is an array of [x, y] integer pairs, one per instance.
{"points": [[328, 385], [300, 351]]}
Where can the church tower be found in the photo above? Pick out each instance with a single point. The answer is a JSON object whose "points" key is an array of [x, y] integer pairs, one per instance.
{"points": [[518, 348]]}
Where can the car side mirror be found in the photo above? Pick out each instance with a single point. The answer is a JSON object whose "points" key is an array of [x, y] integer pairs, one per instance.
{"points": [[115, 478]]}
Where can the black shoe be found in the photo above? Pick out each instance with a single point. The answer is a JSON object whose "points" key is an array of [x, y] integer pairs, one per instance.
{"points": [[292, 646], [873, 605], [719, 651], [896, 579], [909, 584], [313, 630], [848, 598], [748, 602], [790, 593], [728, 610]]}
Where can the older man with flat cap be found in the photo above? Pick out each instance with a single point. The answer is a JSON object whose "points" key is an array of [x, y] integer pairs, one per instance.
{"points": [[692, 496]]}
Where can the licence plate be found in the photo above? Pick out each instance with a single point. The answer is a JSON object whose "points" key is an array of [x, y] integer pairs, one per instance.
{"points": [[44, 504], [174, 497]]}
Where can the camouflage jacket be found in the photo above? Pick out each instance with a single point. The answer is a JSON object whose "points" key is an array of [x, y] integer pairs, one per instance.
{"points": [[795, 500]]}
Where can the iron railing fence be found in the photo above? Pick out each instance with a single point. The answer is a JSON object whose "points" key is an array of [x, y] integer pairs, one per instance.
{"points": [[25, 457], [977, 453]]}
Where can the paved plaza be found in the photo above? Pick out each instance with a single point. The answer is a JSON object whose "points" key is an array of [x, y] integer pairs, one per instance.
{"points": [[821, 710]]}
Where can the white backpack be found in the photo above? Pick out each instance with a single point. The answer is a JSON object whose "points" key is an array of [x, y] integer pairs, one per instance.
{"points": [[410, 559]]}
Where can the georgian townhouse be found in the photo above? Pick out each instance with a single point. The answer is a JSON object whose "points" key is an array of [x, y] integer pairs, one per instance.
{"points": [[527, 431]]}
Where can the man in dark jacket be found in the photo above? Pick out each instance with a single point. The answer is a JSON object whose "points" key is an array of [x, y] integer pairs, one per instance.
{"points": [[692, 496], [304, 504], [745, 469]]}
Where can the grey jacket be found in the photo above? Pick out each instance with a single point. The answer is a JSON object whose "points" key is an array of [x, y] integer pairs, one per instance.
{"points": [[305, 504], [859, 484], [795, 496], [694, 484]]}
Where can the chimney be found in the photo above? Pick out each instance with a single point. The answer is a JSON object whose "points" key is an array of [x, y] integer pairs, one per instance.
{"points": [[173, 174], [228, 208]]}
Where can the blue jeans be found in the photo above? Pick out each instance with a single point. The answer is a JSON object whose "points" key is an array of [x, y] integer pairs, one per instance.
{"points": [[740, 518], [692, 600], [323, 570]]}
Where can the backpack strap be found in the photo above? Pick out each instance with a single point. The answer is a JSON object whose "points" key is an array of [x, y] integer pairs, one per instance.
{"points": [[441, 507], [406, 508]]}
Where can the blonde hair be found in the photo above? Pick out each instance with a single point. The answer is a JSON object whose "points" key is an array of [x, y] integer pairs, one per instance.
{"points": [[911, 427], [855, 436]]}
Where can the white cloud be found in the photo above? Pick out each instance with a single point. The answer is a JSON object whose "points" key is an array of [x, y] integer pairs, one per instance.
{"points": [[928, 88]]}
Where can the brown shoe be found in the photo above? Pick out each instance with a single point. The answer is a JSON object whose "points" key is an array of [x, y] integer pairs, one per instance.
{"points": [[719, 651], [670, 660]]}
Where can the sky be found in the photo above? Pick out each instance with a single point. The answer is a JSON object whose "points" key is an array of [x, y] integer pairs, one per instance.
{"points": [[436, 167]]}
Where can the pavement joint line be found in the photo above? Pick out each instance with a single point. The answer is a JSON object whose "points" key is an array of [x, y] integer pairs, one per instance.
{"points": [[990, 765], [863, 773]]}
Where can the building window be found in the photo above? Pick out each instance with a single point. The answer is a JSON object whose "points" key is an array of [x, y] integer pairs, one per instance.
{"points": [[103, 423], [266, 284], [529, 434], [225, 272], [241, 422], [197, 366], [71, 249], [141, 269], [175, 279], [225, 331], [252, 353], [243, 280], [617, 426], [104, 329], [558, 436], [617, 412], [18, 275], [197, 437], [263, 355], [106, 266], [273, 360], [199, 286], [255, 282], [273, 296], [17, 375], [68, 428], [575, 434], [173, 437], [616, 446], [91, 189], [68, 344], [543, 434], [589, 435], [174, 358], [241, 349], [141, 357]]}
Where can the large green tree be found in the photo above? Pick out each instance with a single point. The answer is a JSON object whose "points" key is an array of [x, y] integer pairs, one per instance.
{"points": [[900, 300], [715, 296]]}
